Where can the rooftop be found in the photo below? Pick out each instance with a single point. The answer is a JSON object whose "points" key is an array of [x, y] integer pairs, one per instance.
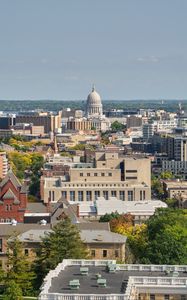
{"points": [[120, 282]]}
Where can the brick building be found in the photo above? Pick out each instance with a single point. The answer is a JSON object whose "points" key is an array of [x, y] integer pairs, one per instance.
{"points": [[13, 199]]}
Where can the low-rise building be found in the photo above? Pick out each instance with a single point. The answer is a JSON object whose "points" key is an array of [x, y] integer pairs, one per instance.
{"points": [[106, 280]]}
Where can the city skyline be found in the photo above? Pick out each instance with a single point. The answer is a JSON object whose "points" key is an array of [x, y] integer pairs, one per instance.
{"points": [[57, 49]]}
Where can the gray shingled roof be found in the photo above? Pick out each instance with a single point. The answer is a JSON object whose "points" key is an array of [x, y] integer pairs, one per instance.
{"points": [[102, 236], [8, 229]]}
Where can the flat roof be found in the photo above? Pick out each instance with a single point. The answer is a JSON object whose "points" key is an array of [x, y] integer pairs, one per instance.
{"points": [[116, 283]]}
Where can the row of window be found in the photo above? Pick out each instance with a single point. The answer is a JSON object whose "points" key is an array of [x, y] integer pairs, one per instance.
{"points": [[93, 195], [93, 185], [96, 195], [95, 174], [104, 253]]}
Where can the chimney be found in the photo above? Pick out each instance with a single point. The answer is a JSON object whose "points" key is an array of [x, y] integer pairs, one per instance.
{"points": [[78, 210]]}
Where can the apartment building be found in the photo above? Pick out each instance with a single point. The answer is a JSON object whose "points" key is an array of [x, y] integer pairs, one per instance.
{"points": [[111, 176]]}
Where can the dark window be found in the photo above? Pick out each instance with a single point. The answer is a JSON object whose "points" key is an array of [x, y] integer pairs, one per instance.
{"points": [[110, 174], [131, 178], [152, 297], [26, 251], [88, 174], [122, 195], [1, 245], [95, 174], [105, 194], [102, 174], [88, 196], [93, 253], [113, 193], [104, 253], [81, 174], [130, 195], [116, 253], [64, 195], [97, 194], [72, 196], [131, 171], [80, 195]]}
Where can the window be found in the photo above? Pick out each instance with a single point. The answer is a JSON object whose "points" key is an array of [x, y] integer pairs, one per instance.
{"points": [[95, 174], [110, 174], [27, 252], [105, 194], [81, 174], [97, 194], [131, 171], [122, 195], [7, 207], [116, 253], [53, 193], [102, 174], [131, 177], [130, 195], [72, 195], [64, 195], [104, 253], [1, 245], [144, 195], [10, 207], [88, 174], [152, 297], [141, 195], [113, 193], [88, 196], [92, 252], [80, 195]]}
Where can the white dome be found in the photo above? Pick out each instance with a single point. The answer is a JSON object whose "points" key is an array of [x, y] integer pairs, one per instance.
{"points": [[94, 98], [94, 105]]}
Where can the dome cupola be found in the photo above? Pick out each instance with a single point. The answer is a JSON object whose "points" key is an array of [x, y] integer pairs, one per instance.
{"points": [[94, 105]]}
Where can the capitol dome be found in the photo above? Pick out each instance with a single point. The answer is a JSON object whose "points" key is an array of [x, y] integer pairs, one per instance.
{"points": [[94, 105]]}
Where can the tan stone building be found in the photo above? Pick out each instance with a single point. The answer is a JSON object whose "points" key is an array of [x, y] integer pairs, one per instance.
{"points": [[49, 121], [111, 176]]}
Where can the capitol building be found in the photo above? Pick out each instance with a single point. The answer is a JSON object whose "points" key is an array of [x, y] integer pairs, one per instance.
{"points": [[93, 118]]}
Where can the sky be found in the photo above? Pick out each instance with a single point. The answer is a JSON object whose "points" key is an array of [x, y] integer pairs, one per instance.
{"points": [[56, 49]]}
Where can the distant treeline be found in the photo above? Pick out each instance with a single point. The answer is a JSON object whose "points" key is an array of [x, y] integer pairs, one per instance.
{"points": [[54, 105]]}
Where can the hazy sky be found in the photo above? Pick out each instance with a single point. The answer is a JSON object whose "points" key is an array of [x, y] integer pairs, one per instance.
{"points": [[55, 49]]}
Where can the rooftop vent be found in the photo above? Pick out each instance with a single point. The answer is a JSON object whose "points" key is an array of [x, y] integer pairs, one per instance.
{"points": [[14, 222], [43, 222], [99, 237]]}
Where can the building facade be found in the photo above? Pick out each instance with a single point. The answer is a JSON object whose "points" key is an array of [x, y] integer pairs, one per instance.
{"points": [[111, 176]]}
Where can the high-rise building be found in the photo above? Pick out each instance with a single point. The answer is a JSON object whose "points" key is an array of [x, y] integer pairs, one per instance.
{"points": [[3, 164]]}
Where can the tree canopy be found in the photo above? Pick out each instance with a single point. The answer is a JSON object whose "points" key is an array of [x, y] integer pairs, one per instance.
{"points": [[117, 126], [164, 240], [61, 243]]}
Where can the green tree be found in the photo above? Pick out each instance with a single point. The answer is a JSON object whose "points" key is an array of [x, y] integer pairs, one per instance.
{"points": [[109, 217], [12, 291], [61, 243], [19, 269], [117, 126], [166, 175], [157, 187], [165, 239]]}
